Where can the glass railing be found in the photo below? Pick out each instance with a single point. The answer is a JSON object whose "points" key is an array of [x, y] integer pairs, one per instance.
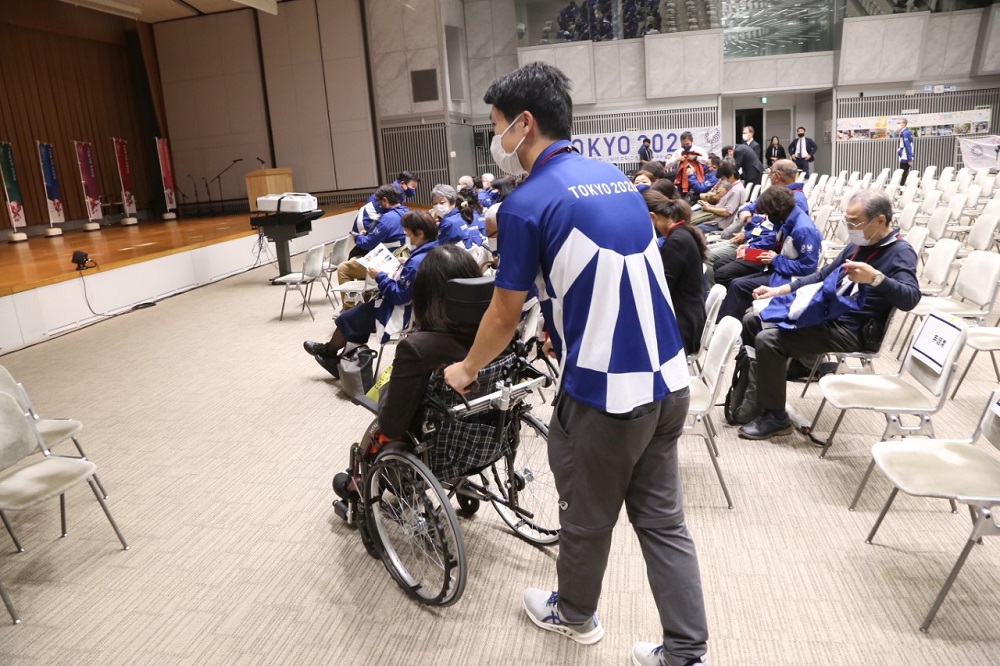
{"points": [[752, 27]]}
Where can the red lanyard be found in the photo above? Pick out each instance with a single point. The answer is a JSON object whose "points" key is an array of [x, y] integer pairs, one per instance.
{"points": [[565, 149]]}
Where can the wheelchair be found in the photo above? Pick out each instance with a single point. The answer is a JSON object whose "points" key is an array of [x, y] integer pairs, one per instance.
{"points": [[485, 446]]}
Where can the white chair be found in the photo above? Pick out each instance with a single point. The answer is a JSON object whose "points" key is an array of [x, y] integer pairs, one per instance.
{"points": [[909, 196], [917, 237], [908, 215], [955, 470], [971, 296], [822, 215], [705, 389], [937, 225], [832, 248], [866, 358], [986, 182], [937, 266], [929, 204], [981, 338], [713, 303], [897, 177], [981, 234], [929, 171], [52, 431], [947, 174], [963, 180], [754, 193], [9, 604], [893, 395], [948, 191], [312, 269], [339, 253], [24, 485]]}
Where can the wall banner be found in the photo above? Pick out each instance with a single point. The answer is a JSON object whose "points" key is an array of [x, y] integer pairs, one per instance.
{"points": [[953, 123], [53, 197], [88, 177], [167, 173], [623, 147], [125, 176], [981, 153], [11, 188]]}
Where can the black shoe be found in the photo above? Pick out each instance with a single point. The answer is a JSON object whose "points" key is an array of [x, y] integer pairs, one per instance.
{"points": [[315, 348], [342, 485], [329, 363], [766, 426]]}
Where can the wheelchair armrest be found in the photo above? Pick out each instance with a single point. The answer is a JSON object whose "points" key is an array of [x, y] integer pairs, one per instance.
{"points": [[366, 402]]}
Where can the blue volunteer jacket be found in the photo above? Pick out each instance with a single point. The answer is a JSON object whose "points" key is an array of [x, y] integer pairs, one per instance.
{"points": [[799, 243], [451, 229], [905, 150], [398, 294], [388, 231], [711, 178]]}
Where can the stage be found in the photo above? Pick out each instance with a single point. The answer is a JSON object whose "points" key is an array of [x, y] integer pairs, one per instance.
{"points": [[42, 294]]}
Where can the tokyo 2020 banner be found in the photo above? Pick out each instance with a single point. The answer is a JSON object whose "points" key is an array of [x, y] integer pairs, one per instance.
{"points": [[11, 188], [88, 177], [53, 196], [125, 176], [167, 173], [623, 147]]}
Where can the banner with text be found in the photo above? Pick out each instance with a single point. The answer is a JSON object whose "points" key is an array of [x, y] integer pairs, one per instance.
{"points": [[88, 177], [125, 176], [166, 172], [53, 197], [11, 188], [623, 147], [981, 153], [950, 123]]}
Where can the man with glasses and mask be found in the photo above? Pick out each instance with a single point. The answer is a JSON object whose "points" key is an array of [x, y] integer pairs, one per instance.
{"points": [[883, 266], [624, 383]]}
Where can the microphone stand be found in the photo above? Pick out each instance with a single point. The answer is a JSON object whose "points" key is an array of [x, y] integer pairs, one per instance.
{"points": [[218, 178], [197, 198], [209, 193]]}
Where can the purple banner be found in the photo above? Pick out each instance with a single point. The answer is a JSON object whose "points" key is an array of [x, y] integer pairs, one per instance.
{"points": [[47, 157], [88, 177]]}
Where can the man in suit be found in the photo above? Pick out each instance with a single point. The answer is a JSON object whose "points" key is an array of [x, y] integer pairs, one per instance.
{"points": [[747, 160], [749, 140], [645, 152], [905, 150], [802, 150]]}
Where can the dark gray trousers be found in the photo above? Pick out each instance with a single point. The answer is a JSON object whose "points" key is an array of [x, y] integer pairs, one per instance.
{"points": [[600, 461], [775, 346]]}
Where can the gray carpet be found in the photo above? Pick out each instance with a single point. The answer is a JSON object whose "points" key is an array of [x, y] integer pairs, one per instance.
{"points": [[217, 437]]}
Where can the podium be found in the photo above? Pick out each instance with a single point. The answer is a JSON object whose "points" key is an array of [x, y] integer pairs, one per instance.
{"points": [[267, 181]]}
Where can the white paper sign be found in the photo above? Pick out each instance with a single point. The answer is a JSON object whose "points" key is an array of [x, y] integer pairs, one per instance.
{"points": [[935, 341]]}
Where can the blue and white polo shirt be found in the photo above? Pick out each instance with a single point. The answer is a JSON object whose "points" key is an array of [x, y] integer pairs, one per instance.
{"points": [[579, 230]]}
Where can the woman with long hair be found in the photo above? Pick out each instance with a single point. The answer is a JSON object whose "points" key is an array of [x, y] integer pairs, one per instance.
{"points": [[683, 252], [775, 151]]}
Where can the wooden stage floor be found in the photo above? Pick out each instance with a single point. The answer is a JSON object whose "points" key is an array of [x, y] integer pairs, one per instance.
{"points": [[42, 261]]}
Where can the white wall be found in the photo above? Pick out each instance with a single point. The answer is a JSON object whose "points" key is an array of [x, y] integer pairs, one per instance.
{"points": [[876, 49], [214, 98], [950, 44]]}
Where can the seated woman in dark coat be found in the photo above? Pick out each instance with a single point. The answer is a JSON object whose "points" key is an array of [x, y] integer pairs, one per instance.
{"points": [[683, 252]]}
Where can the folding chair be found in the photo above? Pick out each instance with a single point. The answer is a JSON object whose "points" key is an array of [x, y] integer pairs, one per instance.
{"points": [[339, 253], [713, 303], [705, 389], [303, 281], [24, 485], [931, 365], [955, 470]]}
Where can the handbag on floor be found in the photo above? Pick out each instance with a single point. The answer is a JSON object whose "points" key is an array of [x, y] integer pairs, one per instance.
{"points": [[357, 370]]}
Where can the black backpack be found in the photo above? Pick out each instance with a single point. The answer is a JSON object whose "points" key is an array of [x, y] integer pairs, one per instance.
{"points": [[740, 407]]}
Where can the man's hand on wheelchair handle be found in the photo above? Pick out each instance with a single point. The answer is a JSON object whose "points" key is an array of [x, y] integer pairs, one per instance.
{"points": [[459, 377]]}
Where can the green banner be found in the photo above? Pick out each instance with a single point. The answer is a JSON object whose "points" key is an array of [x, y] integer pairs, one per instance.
{"points": [[10, 185]]}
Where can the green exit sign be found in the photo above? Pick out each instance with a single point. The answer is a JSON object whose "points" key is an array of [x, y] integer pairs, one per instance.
{"points": [[763, 100]]}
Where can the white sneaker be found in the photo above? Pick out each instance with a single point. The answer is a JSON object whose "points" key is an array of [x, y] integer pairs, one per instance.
{"points": [[652, 654], [542, 608]]}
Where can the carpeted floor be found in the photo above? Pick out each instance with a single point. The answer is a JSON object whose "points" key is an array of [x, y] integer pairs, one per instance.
{"points": [[217, 436]]}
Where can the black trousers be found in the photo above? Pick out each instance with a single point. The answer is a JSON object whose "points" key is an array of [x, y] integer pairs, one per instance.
{"points": [[775, 346], [905, 166], [736, 268], [802, 164], [739, 295]]}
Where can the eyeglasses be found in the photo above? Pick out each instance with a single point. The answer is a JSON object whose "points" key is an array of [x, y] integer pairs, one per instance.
{"points": [[856, 225]]}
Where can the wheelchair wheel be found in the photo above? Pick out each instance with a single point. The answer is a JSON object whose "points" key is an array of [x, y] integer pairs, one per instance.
{"points": [[411, 516], [525, 481], [468, 505]]}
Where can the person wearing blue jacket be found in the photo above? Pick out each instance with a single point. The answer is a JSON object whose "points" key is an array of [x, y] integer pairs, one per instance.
{"points": [[451, 226], [406, 184], [905, 150], [711, 177], [389, 201], [794, 251], [390, 310], [883, 266]]}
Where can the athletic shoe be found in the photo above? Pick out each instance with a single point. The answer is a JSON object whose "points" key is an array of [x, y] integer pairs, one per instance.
{"points": [[543, 609], [766, 426], [652, 654]]}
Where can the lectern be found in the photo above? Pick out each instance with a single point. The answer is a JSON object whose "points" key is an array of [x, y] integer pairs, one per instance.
{"points": [[267, 181]]}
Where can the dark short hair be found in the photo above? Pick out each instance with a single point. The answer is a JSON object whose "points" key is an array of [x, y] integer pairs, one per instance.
{"points": [[749, 127], [776, 202], [389, 192], [654, 167], [687, 135], [725, 150], [727, 168], [540, 89], [800, 128], [714, 160], [406, 176], [420, 221], [666, 187], [468, 205], [504, 186], [645, 139], [443, 263]]}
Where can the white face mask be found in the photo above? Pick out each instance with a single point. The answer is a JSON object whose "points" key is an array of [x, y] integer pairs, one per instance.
{"points": [[746, 138], [509, 162], [442, 209], [857, 236]]}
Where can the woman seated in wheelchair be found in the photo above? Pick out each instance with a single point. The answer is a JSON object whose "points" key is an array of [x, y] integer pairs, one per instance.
{"points": [[438, 341], [390, 309]]}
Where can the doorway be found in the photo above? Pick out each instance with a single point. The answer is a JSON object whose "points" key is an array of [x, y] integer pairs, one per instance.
{"points": [[753, 118]]}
